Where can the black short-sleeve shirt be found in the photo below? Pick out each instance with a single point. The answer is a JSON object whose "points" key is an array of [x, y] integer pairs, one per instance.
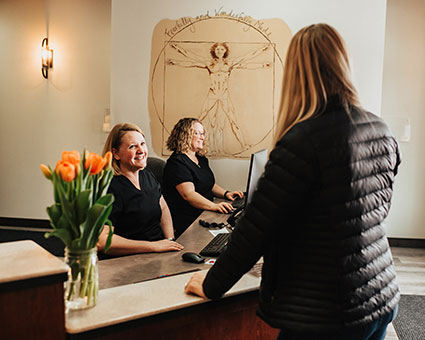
{"points": [[179, 169], [136, 214]]}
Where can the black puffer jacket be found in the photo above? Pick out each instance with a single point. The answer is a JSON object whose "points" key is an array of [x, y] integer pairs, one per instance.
{"points": [[317, 217]]}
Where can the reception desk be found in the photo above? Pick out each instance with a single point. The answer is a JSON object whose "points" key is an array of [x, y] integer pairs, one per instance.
{"points": [[142, 297]]}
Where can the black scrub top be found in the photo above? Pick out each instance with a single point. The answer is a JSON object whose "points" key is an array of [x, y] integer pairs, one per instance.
{"points": [[136, 214], [179, 169]]}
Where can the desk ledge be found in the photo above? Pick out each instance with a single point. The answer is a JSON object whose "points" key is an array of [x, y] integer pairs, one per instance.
{"points": [[139, 300]]}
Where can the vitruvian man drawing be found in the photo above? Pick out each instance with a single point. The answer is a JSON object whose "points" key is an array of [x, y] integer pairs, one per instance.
{"points": [[225, 71], [217, 109]]}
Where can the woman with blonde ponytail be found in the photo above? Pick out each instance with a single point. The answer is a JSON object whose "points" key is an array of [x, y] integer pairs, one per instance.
{"points": [[318, 214], [316, 68]]}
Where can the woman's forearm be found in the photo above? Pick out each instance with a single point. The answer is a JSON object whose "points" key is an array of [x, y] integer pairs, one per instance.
{"points": [[198, 201], [123, 246], [218, 191], [166, 220]]}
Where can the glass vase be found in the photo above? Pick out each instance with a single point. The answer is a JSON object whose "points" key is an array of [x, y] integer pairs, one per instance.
{"points": [[82, 287]]}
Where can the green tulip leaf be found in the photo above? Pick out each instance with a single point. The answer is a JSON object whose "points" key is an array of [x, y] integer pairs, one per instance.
{"points": [[95, 221], [54, 212], [106, 200], [109, 239], [104, 183], [89, 227], [82, 204], [76, 244], [68, 210], [62, 234], [64, 224]]}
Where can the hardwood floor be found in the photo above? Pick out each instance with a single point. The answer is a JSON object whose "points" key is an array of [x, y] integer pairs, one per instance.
{"points": [[410, 267]]}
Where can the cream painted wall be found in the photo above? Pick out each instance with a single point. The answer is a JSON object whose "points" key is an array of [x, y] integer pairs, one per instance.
{"points": [[361, 23], [404, 98], [39, 118]]}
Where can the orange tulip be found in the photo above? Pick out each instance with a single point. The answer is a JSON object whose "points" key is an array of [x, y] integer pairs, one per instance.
{"points": [[96, 161], [72, 157], [46, 171], [66, 170]]}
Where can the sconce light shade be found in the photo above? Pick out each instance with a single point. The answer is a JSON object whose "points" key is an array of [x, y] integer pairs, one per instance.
{"points": [[46, 58]]}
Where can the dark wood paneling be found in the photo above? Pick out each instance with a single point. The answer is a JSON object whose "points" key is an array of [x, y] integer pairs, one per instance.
{"points": [[33, 313]]}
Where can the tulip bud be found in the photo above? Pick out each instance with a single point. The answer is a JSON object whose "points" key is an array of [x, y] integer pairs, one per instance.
{"points": [[46, 171], [108, 160], [57, 166]]}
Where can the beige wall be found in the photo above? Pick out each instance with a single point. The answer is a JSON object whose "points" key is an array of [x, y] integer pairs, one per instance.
{"points": [[404, 98], [39, 118]]}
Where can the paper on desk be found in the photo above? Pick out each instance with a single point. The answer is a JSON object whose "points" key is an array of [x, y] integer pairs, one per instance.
{"points": [[219, 231]]}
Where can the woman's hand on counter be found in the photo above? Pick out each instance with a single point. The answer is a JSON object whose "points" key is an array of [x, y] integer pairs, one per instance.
{"points": [[166, 245], [194, 286]]}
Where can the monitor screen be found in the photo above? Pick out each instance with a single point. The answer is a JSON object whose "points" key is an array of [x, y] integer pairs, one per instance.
{"points": [[256, 168]]}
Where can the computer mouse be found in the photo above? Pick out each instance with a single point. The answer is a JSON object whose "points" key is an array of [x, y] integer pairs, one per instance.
{"points": [[193, 257]]}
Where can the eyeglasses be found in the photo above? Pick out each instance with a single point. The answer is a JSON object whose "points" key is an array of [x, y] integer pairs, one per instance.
{"points": [[199, 134]]}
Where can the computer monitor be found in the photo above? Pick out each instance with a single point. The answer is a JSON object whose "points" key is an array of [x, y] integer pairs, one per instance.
{"points": [[256, 169]]}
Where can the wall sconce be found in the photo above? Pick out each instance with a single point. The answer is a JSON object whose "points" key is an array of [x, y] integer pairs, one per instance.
{"points": [[46, 58]]}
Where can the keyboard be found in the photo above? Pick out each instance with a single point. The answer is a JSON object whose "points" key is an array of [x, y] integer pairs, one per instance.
{"points": [[238, 202], [216, 246]]}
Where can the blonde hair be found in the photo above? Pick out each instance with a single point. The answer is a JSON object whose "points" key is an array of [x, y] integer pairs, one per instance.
{"points": [[180, 139], [114, 141], [316, 67]]}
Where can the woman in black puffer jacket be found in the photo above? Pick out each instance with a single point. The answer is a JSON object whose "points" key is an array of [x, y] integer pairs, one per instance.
{"points": [[318, 213]]}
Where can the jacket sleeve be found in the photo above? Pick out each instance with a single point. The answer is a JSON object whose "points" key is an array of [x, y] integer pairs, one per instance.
{"points": [[289, 175]]}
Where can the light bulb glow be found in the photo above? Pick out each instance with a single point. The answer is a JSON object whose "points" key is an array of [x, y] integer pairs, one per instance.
{"points": [[46, 57]]}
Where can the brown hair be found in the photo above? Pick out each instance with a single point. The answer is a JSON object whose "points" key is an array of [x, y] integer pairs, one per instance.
{"points": [[316, 67], [213, 47], [114, 141], [180, 139]]}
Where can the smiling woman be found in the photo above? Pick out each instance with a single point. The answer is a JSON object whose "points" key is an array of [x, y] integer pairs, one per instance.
{"points": [[189, 183], [140, 216]]}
